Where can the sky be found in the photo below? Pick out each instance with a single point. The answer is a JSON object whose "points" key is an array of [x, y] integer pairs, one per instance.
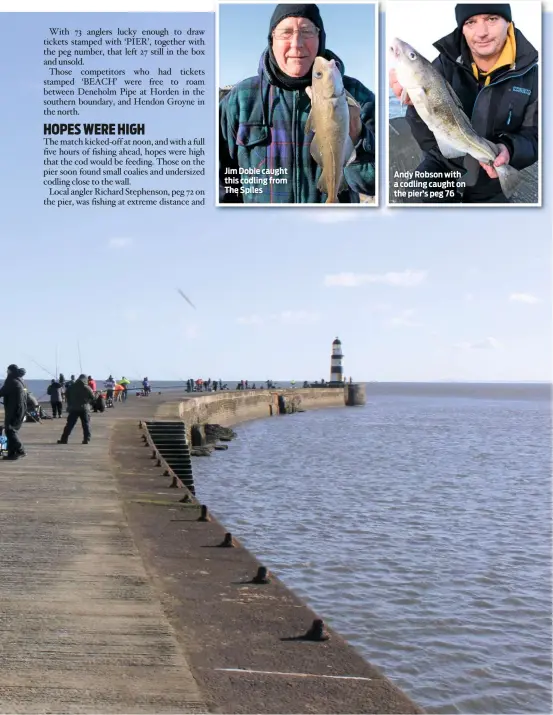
{"points": [[414, 293], [403, 20], [243, 30]]}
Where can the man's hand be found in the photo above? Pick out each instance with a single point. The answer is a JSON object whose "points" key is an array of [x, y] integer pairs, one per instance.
{"points": [[355, 126], [502, 158], [398, 89]]}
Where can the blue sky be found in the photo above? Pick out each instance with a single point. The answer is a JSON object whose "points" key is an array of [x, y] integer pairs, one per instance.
{"points": [[429, 293], [243, 30]]}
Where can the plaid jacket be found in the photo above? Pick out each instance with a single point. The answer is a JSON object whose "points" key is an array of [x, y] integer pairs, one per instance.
{"points": [[262, 126]]}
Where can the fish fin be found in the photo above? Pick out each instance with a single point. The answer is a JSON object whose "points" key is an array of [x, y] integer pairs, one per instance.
{"points": [[509, 178], [344, 186], [316, 152], [351, 100], [446, 149], [309, 123], [349, 152], [309, 93], [473, 167], [404, 97], [454, 96]]}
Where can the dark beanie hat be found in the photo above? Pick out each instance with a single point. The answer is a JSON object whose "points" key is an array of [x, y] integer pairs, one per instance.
{"points": [[309, 11], [463, 12]]}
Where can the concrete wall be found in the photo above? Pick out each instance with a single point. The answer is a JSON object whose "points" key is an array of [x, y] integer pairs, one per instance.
{"points": [[230, 408]]}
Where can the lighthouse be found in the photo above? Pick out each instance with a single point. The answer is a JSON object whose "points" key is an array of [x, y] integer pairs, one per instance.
{"points": [[336, 369]]}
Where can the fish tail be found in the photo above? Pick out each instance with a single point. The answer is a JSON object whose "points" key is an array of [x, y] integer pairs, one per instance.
{"points": [[509, 178]]}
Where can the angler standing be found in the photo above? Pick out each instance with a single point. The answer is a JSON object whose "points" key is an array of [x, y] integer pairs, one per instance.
{"points": [[79, 397], [493, 70], [263, 119], [15, 407]]}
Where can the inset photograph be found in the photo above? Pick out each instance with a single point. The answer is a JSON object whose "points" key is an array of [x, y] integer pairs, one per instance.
{"points": [[296, 113], [463, 103]]}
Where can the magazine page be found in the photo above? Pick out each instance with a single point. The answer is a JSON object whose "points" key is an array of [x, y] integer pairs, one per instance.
{"points": [[294, 460]]}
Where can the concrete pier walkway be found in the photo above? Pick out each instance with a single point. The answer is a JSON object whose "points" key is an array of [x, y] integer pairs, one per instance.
{"points": [[82, 629], [114, 599]]}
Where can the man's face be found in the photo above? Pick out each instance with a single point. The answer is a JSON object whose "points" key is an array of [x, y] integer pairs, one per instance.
{"points": [[485, 35], [295, 45]]}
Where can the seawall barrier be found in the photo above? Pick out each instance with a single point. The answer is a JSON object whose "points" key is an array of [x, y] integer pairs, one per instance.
{"points": [[231, 408]]}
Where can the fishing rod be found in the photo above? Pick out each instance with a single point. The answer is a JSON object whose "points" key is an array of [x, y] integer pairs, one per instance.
{"points": [[80, 361], [48, 372]]}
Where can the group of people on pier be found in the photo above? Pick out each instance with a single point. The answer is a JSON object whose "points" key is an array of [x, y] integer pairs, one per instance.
{"points": [[78, 395]]}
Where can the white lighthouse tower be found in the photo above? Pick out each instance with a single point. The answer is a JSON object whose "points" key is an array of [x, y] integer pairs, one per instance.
{"points": [[336, 369]]}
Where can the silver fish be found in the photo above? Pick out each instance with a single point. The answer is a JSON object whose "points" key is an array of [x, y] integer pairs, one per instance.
{"points": [[331, 146], [441, 110]]}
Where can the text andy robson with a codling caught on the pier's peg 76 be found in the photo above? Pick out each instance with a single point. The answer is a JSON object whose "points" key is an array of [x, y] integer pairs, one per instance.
{"points": [[471, 128], [301, 130]]}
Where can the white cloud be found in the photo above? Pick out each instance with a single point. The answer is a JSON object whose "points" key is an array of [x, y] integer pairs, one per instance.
{"points": [[286, 317], [485, 344], [379, 308], [404, 279], [469, 297], [527, 298], [405, 320], [250, 320], [120, 242], [298, 317]]}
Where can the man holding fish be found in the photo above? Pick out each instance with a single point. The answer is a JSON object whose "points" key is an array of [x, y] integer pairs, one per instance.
{"points": [[475, 107], [300, 119]]}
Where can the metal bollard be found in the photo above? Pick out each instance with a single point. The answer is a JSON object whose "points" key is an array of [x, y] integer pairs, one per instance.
{"points": [[262, 576], [204, 515]]}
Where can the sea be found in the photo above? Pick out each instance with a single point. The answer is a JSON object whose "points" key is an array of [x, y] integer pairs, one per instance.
{"points": [[418, 527], [396, 109]]}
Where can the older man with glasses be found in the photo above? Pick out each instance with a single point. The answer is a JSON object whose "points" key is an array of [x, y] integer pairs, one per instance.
{"points": [[263, 118]]}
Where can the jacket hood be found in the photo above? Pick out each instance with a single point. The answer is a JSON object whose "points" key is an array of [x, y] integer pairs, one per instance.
{"points": [[264, 74], [454, 46]]}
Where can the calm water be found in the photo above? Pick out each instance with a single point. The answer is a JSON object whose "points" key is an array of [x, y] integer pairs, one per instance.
{"points": [[418, 526]]}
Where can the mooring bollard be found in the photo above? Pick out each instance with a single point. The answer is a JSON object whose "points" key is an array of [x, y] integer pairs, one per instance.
{"points": [[227, 542], [262, 576], [176, 483], [187, 499], [316, 632], [204, 515], [154, 454], [158, 463]]}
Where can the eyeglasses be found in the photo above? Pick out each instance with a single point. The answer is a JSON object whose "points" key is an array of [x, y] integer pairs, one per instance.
{"points": [[304, 33]]}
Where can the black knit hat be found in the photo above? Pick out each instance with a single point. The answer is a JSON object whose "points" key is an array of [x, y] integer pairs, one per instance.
{"points": [[464, 11], [309, 11]]}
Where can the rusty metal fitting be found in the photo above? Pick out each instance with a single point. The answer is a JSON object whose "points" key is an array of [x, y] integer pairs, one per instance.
{"points": [[204, 516], [227, 542], [262, 576], [316, 632]]}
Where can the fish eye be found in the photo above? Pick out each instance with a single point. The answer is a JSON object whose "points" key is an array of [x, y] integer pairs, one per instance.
{"points": [[318, 75], [412, 56]]}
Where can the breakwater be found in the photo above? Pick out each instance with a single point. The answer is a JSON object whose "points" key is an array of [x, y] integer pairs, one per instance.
{"points": [[231, 408]]}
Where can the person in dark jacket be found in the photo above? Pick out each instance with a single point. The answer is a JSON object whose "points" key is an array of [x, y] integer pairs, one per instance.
{"points": [[262, 119], [55, 392], [493, 69], [79, 397], [15, 407]]}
